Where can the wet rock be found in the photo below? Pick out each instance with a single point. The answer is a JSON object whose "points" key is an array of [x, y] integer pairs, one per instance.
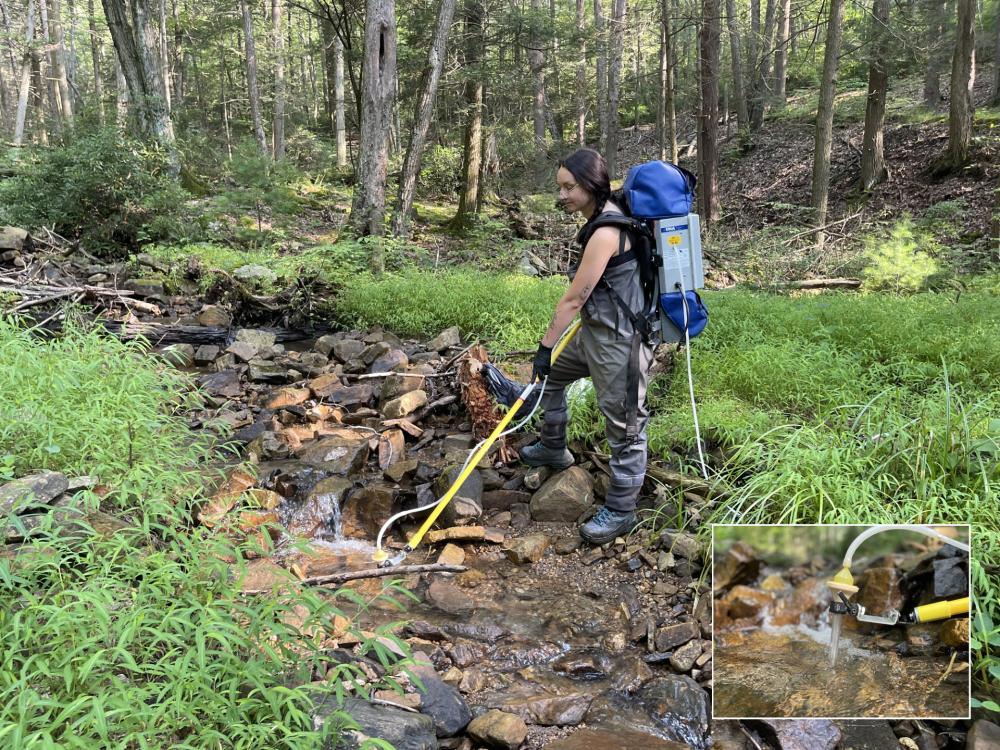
{"points": [[451, 555], [393, 360], [367, 508], [680, 707], [880, 590], [520, 516], [350, 395], [503, 499], [261, 370], [397, 470], [631, 676], [391, 448], [205, 354], [566, 545], [267, 446], [536, 477], [528, 549], [285, 397], [337, 454], [681, 545], [35, 490], [672, 636], [984, 735], [179, 355], [225, 384], [497, 729], [395, 386], [613, 738], [564, 497], [684, 657], [951, 577], [807, 602], [548, 709], [325, 386], [739, 565], [447, 338], [457, 534], [374, 351], [744, 602], [405, 404], [449, 598], [867, 735], [151, 288], [263, 575], [325, 344], [473, 681], [344, 350], [256, 337], [584, 664], [215, 316], [242, 350], [466, 504], [800, 734], [955, 632], [402, 729], [442, 702], [316, 513], [774, 583], [313, 363]]}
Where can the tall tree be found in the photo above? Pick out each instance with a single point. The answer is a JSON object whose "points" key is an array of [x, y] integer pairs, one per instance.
{"points": [[536, 61], [824, 119], [669, 147], [340, 119], [615, 48], [57, 57], [708, 111], [253, 92], [736, 56], [134, 35], [278, 41], [378, 75], [963, 77], [761, 70], [96, 55], [24, 86], [935, 15], [873, 170], [468, 197], [164, 56], [995, 99], [422, 118], [779, 97], [581, 74], [601, 70]]}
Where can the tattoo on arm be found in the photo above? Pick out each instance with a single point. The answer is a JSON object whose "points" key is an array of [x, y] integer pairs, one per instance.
{"points": [[585, 292]]}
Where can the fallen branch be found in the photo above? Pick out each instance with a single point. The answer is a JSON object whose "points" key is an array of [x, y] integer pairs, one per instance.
{"points": [[355, 575], [443, 401], [822, 284]]}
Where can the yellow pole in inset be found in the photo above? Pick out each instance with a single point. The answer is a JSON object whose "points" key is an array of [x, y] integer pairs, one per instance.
{"points": [[942, 610]]}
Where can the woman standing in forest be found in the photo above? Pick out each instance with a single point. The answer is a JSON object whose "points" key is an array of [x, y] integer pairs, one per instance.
{"points": [[610, 348]]}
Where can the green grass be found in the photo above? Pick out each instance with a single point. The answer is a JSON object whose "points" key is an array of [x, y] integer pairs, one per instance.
{"points": [[142, 639]]}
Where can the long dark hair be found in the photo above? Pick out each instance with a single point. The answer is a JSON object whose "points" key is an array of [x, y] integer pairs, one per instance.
{"points": [[591, 173]]}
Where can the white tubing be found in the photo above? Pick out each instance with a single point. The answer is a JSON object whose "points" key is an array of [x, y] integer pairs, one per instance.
{"points": [[687, 353], [925, 530]]}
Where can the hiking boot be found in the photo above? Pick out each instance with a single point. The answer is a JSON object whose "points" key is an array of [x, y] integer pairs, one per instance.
{"points": [[607, 524], [539, 454]]}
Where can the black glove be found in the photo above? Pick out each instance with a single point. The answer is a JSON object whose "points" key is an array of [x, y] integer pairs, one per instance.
{"points": [[541, 365]]}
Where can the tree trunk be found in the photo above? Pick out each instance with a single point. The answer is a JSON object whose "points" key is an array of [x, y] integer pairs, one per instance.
{"points": [[824, 119], [135, 39], [46, 77], [378, 75], [278, 39], [24, 87], [762, 70], [536, 61], [601, 65], [581, 75], [708, 113], [225, 102], [742, 115], [779, 96], [96, 55], [670, 110], [614, 85], [995, 99], [963, 76], [422, 119], [873, 170], [468, 199], [58, 60], [179, 57], [164, 56], [340, 119], [253, 92], [935, 13]]}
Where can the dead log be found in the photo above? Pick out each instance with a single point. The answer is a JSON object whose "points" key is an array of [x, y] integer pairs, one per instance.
{"points": [[355, 575], [823, 284]]}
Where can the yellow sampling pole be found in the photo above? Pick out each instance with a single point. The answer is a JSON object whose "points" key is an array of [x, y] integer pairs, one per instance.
{"points": [[941, 610], [484, 447]]}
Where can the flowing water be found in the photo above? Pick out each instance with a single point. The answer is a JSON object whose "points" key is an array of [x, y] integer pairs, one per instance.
{"points": [[786, 672]]}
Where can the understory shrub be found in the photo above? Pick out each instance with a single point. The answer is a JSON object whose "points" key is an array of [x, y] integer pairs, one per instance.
{"points": [[901, 261], [105, 188]]}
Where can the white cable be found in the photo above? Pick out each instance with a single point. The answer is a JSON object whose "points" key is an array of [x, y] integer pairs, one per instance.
{"points": [[690, 376], [925, 530]]}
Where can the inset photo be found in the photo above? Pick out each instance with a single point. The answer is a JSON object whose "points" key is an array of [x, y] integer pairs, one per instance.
{"points": [[841, 622]]}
